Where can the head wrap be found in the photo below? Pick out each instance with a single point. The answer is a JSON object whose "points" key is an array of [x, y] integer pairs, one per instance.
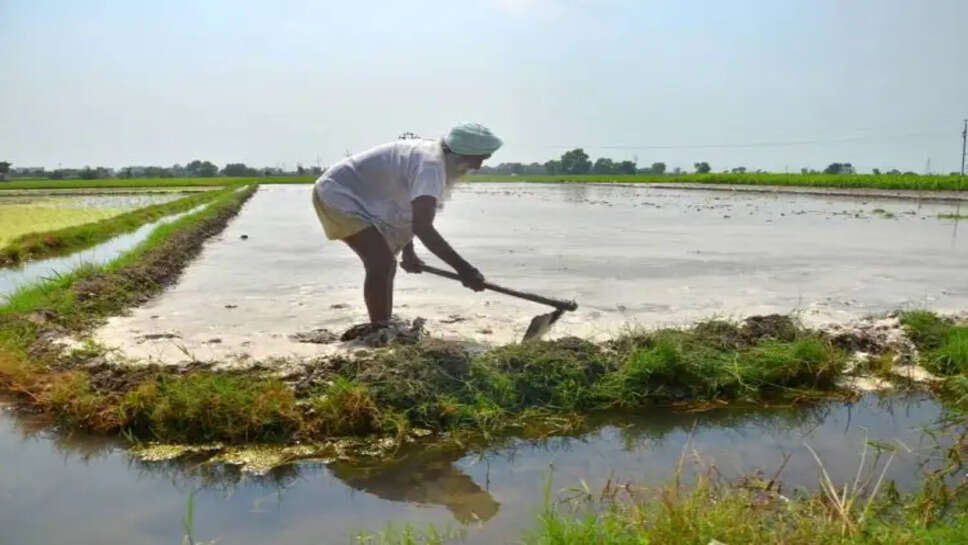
{"points": [[472, 139]]}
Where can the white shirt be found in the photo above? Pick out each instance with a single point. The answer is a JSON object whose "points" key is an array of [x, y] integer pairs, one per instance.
{"points": [[378, 185]]}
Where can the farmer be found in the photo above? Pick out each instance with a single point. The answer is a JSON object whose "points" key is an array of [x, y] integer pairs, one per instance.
{"points": [[377, 200]]}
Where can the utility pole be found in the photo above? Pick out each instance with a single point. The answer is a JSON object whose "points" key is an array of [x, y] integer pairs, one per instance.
{"points": [[964, 137]]}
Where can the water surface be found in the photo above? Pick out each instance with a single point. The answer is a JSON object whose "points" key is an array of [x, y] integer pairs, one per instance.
{"points": [[12, 278], [630, 256], [57, 489]]}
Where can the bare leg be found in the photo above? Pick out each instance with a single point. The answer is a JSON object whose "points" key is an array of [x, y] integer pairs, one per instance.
{"points": [[381, 267]]}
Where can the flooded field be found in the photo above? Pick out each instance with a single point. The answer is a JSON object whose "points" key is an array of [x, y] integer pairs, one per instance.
{"points": [[13, 278], [630, 255], [24, 212], [495, 492]]}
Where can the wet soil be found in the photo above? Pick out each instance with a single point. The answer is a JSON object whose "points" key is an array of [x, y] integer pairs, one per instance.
{"points": [[631, 257]]}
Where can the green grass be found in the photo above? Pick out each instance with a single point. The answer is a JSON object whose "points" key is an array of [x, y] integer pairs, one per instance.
{"points": [[205, 407], [151, 182], [713, 511], [47, 241], [21, 219], [944, 344], [882, 181], [953, 216]]}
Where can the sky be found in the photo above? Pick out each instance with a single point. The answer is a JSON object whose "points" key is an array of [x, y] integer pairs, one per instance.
{"points": [[776, 85]]}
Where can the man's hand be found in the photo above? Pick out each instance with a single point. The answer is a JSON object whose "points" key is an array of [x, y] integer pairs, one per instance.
{"points": [[411, 264], [409, 260], [471, 278]]}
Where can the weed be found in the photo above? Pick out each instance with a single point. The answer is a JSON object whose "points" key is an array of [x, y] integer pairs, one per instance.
{"points": [[944, 344], [951, 357], [926, 329]]}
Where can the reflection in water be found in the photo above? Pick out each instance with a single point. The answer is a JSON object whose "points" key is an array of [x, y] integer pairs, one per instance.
{"points": [[423, 479], [73, 476]]}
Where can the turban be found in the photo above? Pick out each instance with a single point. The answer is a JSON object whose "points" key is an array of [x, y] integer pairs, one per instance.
{"points": [[472, 139]]}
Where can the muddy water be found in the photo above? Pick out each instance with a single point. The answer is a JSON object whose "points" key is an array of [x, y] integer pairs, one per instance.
{"points": [[13, 278], [56, 489], [629, 255]]}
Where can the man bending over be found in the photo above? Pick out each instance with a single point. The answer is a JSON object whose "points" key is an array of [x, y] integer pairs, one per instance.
{"points": [[378, 200]]}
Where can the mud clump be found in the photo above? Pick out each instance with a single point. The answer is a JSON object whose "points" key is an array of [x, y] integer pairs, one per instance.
{"points": [[316, 336], [724, 335], [382, 334], [775, 326], [875, 336]]}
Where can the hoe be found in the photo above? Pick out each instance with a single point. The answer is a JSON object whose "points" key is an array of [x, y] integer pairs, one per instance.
{"points": [[541, 323]]}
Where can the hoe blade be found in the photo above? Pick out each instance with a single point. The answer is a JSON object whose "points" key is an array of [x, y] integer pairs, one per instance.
{"points": [[541, 324]]}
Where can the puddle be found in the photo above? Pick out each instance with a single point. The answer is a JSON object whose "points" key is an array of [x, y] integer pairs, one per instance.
{"points": [[78, 479], [13, 278], [629, 255]]}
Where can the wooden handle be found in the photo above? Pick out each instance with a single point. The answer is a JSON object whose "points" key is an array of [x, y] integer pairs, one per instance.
{"points": [[557, 303]]}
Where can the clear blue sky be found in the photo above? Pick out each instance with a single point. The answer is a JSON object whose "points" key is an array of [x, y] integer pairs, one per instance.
{"points": [[880, 83]]}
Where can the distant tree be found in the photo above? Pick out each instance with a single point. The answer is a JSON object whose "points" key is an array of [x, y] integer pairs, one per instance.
{"points": [[702, 168], [575, 162], [804, 170], [741, 170], [604, 165], [535, 168], [894, 171], [315, 171], [839, 168], [300, 170], [57, 174], [626, 167], [88, 173], [4, 169], [677, 171], [239, 169], [658, 168], [553, 167], [201, 169], [157, 172], [876, 171]]}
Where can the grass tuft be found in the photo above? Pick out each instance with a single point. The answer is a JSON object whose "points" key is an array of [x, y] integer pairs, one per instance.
{"points": [[944, 344], [212, 406]]}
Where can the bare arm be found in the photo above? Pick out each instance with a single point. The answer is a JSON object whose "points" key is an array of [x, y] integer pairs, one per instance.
{"points": [[424, 211]]}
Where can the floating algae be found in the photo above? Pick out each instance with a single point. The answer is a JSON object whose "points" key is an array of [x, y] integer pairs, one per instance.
{"points": [[260, 459]]}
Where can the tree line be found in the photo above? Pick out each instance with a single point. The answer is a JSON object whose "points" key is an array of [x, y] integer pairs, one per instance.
{"points": [[194, 169], [574, 161]]}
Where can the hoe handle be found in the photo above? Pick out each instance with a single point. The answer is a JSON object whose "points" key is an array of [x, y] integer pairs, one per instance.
{"points": [[557, 303]]}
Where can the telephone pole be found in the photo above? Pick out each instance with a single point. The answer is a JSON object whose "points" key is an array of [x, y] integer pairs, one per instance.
{"points": [[964, 137]]}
